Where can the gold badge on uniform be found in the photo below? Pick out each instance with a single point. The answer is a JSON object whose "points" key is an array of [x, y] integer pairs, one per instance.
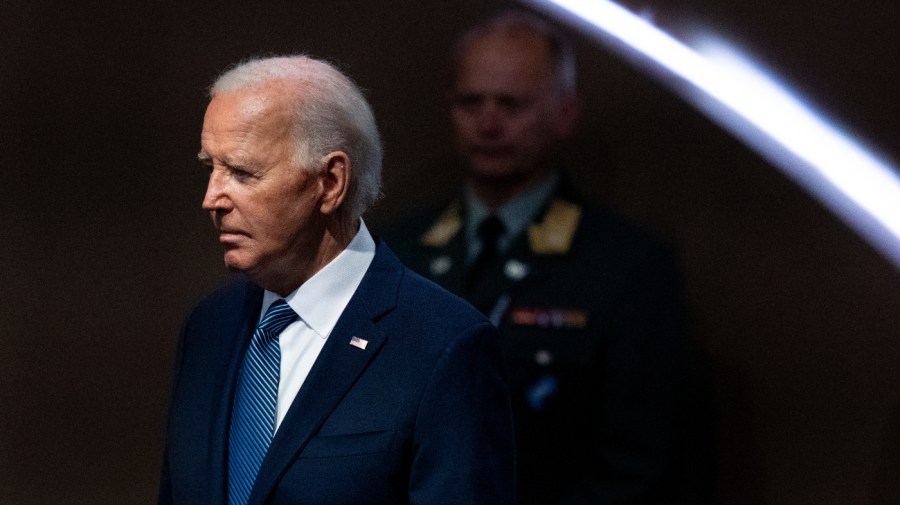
{"points": [[445, 228], [554, 234]]}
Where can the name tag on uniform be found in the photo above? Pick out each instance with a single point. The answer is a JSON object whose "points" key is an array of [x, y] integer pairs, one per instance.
{"points": [[549, 317]]}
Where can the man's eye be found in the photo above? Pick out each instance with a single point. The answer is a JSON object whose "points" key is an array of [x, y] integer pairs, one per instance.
{"points": [[468, 102], [239, 173]]}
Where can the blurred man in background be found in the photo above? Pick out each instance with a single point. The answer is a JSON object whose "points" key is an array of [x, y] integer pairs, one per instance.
{"points": [[587, 304]]}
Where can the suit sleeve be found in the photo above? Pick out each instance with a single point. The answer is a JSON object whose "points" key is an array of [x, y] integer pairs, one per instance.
{"points": [[463, 447]]}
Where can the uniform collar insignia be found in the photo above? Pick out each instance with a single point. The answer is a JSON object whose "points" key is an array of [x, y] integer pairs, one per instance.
{"points": [[445, 228], [554, 234]]}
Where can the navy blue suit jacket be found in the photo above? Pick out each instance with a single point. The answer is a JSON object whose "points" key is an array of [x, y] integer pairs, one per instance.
{"points": [[421, 415]]}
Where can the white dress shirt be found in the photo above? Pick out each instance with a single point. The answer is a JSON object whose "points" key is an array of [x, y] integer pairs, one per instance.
{"points": [[319, 302]]}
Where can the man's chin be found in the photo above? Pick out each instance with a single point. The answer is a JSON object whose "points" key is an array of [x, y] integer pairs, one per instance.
{"points": [[491, 169], [497, 174], [234, 262]]}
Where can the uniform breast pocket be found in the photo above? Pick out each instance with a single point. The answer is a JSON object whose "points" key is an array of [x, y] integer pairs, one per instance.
{"points": [[351, 444]]}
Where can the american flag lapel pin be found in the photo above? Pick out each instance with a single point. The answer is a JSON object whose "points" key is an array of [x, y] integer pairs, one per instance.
{"points": [[359, 342]]}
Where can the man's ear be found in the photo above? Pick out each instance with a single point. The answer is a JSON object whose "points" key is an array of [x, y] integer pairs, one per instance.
{"points": [[335, 180]]}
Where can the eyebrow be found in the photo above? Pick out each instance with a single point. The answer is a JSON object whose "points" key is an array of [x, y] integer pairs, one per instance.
{"points": [[205, 158]]}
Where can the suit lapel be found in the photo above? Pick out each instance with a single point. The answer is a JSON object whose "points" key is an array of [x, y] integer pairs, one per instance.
{"points": [[448, 266], [234, 329], [503, 278], [444, 243], [335, 370]]}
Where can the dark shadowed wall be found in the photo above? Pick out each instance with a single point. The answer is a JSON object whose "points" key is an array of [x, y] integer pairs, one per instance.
{"points": [[103, 247]]}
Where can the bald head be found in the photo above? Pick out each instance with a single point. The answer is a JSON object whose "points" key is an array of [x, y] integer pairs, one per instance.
{"points": [[515, 25]]}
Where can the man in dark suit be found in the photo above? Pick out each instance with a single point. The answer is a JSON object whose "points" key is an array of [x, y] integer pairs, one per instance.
{"points": [[361, 382], [586, 303]]}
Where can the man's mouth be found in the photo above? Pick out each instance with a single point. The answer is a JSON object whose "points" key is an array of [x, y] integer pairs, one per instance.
{"points": [[230, 235], [492, 150]]}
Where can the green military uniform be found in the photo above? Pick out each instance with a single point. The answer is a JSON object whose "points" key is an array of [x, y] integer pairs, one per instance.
{"points": [[590, 321]]}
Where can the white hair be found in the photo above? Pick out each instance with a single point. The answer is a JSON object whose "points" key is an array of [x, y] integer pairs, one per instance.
{"points": [[330, 114]]}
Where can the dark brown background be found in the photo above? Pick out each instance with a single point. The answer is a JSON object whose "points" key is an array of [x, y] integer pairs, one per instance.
{"points": [[103, 247]]}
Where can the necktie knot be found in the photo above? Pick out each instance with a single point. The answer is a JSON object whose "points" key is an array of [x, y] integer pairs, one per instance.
{"points": [[489, 231], [277, 318]]}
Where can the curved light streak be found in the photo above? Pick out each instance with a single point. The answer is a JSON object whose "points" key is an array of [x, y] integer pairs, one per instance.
{"points": [[854, 183]]}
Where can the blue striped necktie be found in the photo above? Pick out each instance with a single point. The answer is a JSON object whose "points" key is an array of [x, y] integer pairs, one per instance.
{"points": [[253, 417]]}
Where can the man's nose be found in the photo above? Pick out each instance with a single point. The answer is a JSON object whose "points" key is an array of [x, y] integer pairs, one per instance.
{"points": [[490, 119], [215, 197]]}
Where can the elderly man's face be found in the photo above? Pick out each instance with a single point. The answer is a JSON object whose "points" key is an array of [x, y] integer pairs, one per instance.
{"points": [[506, 114], [263, 206]]}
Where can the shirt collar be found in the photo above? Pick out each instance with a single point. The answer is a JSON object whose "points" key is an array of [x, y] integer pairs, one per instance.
{"points": [[321, 300], [516, 214]]}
